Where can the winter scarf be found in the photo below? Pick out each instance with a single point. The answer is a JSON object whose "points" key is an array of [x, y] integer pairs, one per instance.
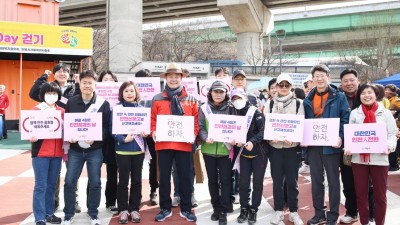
{"points": [[173, 94], [369, 112], [280, 102]]}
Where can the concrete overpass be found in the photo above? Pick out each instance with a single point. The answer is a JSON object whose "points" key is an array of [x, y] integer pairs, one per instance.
{"points": [[248, 19], [93, 13]]}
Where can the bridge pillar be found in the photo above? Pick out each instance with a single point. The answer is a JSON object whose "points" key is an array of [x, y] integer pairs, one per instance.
{"points": [[249, 20], [125, 33]]}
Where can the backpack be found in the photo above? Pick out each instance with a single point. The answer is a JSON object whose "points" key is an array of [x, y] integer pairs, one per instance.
{"points": [[271, 104]]}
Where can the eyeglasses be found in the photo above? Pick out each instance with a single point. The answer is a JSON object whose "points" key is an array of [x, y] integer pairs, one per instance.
{"points": [[284, 85]]}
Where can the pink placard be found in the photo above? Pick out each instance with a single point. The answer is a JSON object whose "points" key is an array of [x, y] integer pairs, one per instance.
{"points": [[321, 132], [175, 128], [131, 120], [83, 126], [148, 86], [204, 86], [225, 128], [365, 138], [40, 124], [109, 91], [284, 127], [190, 84]]}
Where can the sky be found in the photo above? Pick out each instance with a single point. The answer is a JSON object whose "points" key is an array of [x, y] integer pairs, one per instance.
{"points": [[275, 11]]}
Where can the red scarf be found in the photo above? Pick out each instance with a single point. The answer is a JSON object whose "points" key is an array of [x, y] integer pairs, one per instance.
{"points": [[369, 112]]}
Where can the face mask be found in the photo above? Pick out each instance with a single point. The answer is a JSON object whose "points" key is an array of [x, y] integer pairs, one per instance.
{"points": [[50, 99], [239, 104]]}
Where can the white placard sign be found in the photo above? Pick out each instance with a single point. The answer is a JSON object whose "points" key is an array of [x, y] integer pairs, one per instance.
{"points": [[175, 128], [225, 128], [41, 124], [284, 127], [131, 120]]}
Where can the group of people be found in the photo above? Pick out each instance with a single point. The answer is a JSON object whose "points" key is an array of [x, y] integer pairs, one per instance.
{"points": [[364, 179]]}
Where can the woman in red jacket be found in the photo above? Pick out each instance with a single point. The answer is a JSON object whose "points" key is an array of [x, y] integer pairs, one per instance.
{"points": [[46, 161]]}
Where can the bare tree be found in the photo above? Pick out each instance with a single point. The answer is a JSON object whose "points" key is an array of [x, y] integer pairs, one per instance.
{"points": [[186, 43], [374, 42]]}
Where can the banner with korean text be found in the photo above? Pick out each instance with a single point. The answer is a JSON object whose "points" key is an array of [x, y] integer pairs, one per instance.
{"points": [[190, 84], [83, 126], [40, 124], [321, 132], [18, 37], [175, 128], [282, 127], [131, 120], [365, 138], [148, 86], [225, 128], [109, 91], [204, 87]]}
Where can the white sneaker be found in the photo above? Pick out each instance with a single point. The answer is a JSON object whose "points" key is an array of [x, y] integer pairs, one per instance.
{"points": [[304, 168], [95, 221], [176, 201], [112, 209], [348, 219], [295, 218], [236, 200], [68, 222], [277, 217], [194, 201]]}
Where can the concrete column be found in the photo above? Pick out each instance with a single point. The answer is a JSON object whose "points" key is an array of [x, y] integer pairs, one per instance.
{"points": [[249, 47], [125, 19], [249, 20]]}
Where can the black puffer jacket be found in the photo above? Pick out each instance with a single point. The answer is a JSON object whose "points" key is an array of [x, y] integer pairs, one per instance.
{"points": [[255, 133], [72, 90]]}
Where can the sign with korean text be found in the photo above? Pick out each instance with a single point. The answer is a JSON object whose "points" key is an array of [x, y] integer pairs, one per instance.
{"points": [[36, 123], [321, 132], [148, 86], [204, 87], [83, 126], [18, 37], [365, 138], [109, 91], [225, 128], [131, 120], [284, 127], [190, 84], [175, 128]]}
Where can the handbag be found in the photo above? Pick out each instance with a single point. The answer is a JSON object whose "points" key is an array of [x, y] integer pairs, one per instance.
{"points": [[347, 160]]}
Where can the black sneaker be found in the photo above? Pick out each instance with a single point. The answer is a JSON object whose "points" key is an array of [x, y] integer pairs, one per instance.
{"points": [[222, 219], [252, 216], [78, 208], [53, 219], [316, 220], [188, 215], [40, 223], [215, 215], [243, 215]]}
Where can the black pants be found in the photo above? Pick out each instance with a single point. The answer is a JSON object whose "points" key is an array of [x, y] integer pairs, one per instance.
{"points": [[284, 168], [219, 181], [153, 165], [129, 166], [182, 159], [318, 164], [111, 184], [256, 167], [393, 156]]}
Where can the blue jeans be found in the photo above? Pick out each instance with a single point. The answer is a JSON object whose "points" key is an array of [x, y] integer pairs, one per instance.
{"points": [[76, 160], [46, 173]]}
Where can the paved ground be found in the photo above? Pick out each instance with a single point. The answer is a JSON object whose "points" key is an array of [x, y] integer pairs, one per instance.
{"points": [[16, 187]]}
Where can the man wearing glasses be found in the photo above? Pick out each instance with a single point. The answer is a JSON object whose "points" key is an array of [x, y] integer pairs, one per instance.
{"points": [[325, 102]]}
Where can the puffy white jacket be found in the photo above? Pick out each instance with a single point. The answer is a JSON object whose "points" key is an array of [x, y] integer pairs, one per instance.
{"points": [[382, 115]]}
